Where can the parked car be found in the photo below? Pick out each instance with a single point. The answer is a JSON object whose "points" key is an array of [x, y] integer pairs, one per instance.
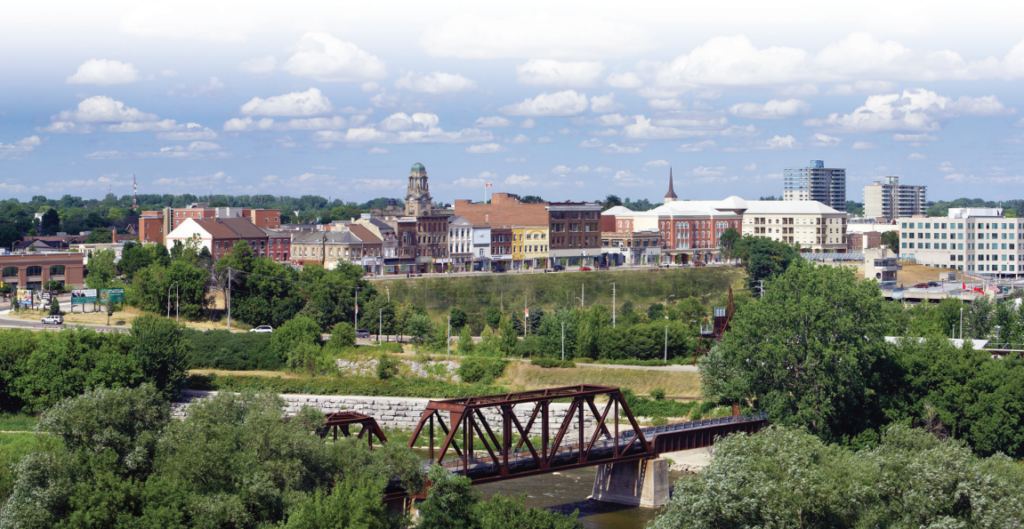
{"points": [[584, 269], [934, 284], [558, 268], [498, 269], [52, 320], [921, 285], [699, 263], [262, 328], [363, 333]]}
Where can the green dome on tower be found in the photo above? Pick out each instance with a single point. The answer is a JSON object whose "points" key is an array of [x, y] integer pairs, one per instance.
{"points": [[418, 167]]}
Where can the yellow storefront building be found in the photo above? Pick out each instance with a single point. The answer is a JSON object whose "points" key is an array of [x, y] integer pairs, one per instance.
{"points": [[529, 247]]}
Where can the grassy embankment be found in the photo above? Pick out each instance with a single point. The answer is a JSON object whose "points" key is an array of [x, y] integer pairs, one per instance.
{"points": [[509, 291], [124, 317]]}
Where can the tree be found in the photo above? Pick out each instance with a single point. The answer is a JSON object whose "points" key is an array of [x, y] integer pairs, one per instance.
{"points": [[55, 306], [299, 329], [160, 348], [387, 366], [728, 240], [691, 310], [458, 318], [465, 341], [99, 236], [109, 307], [655, 311], [891, 240], [493, 317], [509, 338], [311, 359], [765, 258], [420, 327], [450, 502], [343, 336], [611, 201], [510, 512], [806, 352], [101, 269], [50, 223], [531, 199]]}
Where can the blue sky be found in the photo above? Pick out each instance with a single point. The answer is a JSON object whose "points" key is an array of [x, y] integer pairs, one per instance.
{"points": [[558, 99]]}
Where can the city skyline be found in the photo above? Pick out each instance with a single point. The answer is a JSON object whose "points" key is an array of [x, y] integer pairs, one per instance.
{"points": [[543, 100]]}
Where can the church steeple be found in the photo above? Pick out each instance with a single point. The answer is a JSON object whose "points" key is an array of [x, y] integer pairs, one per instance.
{"points": [[671, 195]]}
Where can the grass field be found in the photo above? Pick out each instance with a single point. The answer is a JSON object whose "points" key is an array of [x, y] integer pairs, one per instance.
{"points": [[124, 317], [523, 376], [20, 422], [550, 291]]}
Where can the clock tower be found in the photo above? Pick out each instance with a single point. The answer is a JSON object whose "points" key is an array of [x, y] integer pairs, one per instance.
{"points": [[417, 199]]}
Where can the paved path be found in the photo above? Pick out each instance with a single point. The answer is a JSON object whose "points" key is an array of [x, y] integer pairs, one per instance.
{"points": [[673, 367]]}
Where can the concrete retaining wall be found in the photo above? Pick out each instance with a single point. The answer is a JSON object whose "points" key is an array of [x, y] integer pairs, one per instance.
{"points": [[391, 412]]}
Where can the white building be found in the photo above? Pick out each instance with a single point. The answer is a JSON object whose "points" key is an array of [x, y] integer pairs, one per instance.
{"points": [[816, 227], [890, 200], [976, 240], [460, 243], [482, 247], [815, 182]]}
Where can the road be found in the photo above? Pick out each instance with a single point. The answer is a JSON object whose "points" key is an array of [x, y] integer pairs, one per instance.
{"points": [[623, 268]]}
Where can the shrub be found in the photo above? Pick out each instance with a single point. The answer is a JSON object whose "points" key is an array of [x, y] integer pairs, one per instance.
{"points": [[551, 362], [387, 366], [659, 421], [300, 329], [657, 408], [342, 336], [246, 351], [311, 358], [478, 369], [658, 393], [362, 386]]}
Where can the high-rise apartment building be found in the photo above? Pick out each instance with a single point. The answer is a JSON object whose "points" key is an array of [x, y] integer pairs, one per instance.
{"points": [[815, 182], [890, 200]]}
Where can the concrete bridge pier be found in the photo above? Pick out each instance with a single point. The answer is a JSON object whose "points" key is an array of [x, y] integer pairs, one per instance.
{"points": [[642, 483]]}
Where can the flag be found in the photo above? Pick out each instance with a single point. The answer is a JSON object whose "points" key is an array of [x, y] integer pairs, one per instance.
{"points": [[488, 185]]}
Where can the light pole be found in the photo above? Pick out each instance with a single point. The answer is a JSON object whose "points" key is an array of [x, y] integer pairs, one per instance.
{"points": [[666, 344], [666, 304], [961, 323], [448, 342], [563, 341], [380, 325]]}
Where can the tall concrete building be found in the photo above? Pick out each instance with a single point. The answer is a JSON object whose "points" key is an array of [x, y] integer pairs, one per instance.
{"points": [[890, 200], [815, 182]]}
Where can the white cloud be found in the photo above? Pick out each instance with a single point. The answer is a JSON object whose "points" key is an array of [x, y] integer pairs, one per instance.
{"points": [[773, 109], [377, 150], [799, 90], [22, 146], [308, 103], [562, 169], [148, 126], [259, 65], [168, 73], [914, 137], [642, 128], [751, 167], [861, 145], [624, 80], [708, 171], [822, 140], [492, 121], [617, 149], [544, 139], [946, 167], [605, 132], [583, 169], [435, 83], [574, 35], [103, 109], [331, 123], [521, 138], [370, 184], [203, 146], [369, 86], [485, 148], [604, 104], [565, 103], [603, 170], [326, 58], [558, 74], [916, 156], [247, 124], [697, 147], [528, 123], [612, 120], [519, 180], [656, 163], [402, 121], [106, 155], [916, 109], [593, 142], [104, 72], [66, 127], [666, 104], [627, 179], [780, 142]]}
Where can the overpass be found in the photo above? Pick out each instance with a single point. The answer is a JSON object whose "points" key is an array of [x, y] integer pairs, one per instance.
{"points": [[631, 470]]}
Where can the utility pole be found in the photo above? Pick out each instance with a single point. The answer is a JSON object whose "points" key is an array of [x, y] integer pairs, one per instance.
{"points": [[563, 341], [961, 323], [355, 318], [583, 298], [666, 344], [526, 315], [613, 305], [448, 342], [177, 304], [380, 324], [229, 298]]}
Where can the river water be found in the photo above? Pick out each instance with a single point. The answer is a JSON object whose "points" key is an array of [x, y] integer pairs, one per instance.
{"points": [[567, 491]]}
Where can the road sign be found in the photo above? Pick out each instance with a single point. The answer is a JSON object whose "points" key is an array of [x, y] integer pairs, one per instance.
{"points": [[81, 297], [115, 295], [527, 313]]}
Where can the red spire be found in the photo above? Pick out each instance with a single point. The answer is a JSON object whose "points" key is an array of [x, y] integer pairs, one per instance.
{"points": [[671, 192]]}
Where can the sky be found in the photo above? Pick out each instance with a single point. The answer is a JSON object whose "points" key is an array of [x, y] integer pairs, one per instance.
{"points": [[565, 100]]}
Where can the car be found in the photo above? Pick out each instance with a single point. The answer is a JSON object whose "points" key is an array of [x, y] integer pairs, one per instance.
{"points": [[498, 269], [363, 333], [934, 284], [262, 328], [558, 268], [585, 269], [52, 320], [921, 285], [699, 263]]}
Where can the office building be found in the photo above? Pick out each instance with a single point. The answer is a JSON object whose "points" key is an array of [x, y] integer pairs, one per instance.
{"points": [[975, 240], [890, 200], [815, 182]]}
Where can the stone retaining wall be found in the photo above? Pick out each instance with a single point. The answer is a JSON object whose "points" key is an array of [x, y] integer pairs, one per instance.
{"points": [[392, 412]]}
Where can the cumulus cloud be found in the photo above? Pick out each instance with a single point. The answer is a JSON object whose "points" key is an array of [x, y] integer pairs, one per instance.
{"points": [[370, 184], [708, 171], [656, 163], [20, 147], [519, 180], [626, 178], [377, 150], [666, 104], [402, 121], [308, 103], [619, 149], [773, 109], [66, 127], [780, 142], [521, 138], [823, 140], [751, 167], [407, 129], [528, 123], [915, 109], [492, 121], [565, 103], [649, 129], [861, 145], [946, 167], [577, 35], [916, 156], [259, 65], [486, 148], [544, 139], [103, 109], [558, 74], [104, 72], [326, 58], [914, 137], [248, 124], [593, 142], [562, 169], [435, 83], [106, 155], [697, 147], [604, 104], [624, 80]]}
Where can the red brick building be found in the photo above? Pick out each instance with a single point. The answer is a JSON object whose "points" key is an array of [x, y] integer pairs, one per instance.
{"points": [[34, 269]]}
